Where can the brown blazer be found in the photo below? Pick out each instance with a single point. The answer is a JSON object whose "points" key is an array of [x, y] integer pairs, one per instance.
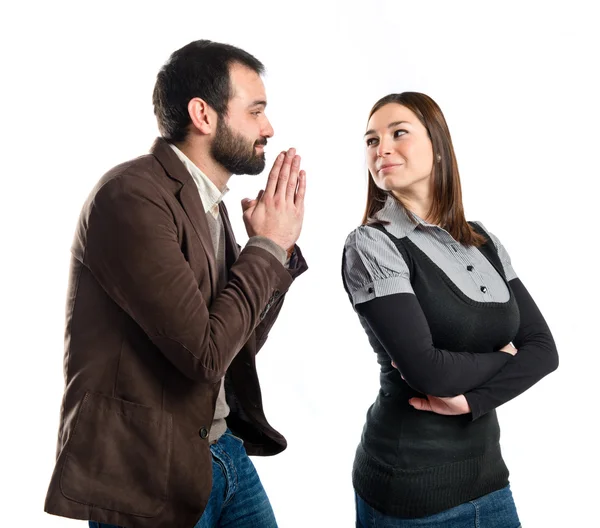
{"points": [[147, 342]]}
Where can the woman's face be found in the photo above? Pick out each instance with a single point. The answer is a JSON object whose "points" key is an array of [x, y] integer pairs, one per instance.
{"points": [[399, 151]]}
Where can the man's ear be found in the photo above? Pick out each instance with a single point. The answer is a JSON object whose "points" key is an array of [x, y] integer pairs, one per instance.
{"points": [[203, 117]]}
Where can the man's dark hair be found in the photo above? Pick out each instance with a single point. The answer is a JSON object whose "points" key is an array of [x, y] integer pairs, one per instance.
{"points": [[199, 69]]}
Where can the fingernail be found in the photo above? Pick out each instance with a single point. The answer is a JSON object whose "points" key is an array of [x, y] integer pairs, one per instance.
{"points": [[281, 154]]}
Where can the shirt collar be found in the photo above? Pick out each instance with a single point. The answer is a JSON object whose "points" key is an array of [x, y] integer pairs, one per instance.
{"points": [[402, 222], [210, 194]]}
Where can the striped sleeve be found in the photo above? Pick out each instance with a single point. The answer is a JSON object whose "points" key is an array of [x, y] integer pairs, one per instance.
{"points": [[373, 266], [502, 253]]}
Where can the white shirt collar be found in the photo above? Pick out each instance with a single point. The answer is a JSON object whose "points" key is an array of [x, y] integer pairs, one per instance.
{"points": [[210, 194]]}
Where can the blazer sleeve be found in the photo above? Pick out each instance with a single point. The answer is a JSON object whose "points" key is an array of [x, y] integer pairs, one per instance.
{"points": [[131, 246], [296, 267]]}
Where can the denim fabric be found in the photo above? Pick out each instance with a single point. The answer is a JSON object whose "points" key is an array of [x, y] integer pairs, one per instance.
{"points": [[237, 498]]}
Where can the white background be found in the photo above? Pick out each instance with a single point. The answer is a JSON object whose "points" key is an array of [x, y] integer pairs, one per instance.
{"points": [[517, 83]]}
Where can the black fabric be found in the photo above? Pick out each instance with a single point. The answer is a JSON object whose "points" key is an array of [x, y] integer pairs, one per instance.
{"points": [[536, 357], [462, 325], [413, 463], [427, 369]]}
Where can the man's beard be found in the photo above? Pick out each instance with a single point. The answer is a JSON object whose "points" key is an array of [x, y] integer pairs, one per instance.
{"points": [[236, 153]]}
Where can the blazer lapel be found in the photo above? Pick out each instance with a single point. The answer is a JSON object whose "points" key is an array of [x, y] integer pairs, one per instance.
{"points": [[190, 200]]}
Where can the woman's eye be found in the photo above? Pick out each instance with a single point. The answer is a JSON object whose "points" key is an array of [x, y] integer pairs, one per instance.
{"points": [[399, 133], [371, 141]]}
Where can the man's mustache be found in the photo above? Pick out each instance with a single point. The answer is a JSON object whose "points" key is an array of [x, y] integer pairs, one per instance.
{"points": [[261, 142]]}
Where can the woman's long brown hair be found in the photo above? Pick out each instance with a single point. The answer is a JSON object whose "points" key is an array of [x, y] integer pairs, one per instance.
{"points": [[446, 208]]}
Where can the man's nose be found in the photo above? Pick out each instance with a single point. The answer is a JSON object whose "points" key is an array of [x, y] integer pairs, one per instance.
{"points": [[267, 129]]}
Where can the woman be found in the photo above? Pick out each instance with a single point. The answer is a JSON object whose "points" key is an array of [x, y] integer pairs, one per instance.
{"points": [[442, 308]]}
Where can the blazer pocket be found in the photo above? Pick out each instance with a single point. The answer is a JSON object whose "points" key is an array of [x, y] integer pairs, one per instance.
{"points": [[119, 456]]}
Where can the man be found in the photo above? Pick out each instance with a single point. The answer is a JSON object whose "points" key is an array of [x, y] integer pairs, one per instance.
{"points": [[165, 315]]}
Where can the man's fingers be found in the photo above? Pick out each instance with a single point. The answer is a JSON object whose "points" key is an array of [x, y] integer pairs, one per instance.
{"points": [[284, 173], [301, 192], [293, 181], [274, 175], [247, 203]]}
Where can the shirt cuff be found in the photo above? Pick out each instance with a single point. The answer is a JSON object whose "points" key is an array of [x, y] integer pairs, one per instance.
{"points": [[267, 244], [381, 288]]}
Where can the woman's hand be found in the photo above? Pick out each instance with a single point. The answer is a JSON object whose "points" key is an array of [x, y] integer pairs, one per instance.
{"points": [[452, 406], [509, 349]]}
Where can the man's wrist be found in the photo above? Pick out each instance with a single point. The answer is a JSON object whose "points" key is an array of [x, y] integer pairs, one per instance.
{"points": [[271, 246]]}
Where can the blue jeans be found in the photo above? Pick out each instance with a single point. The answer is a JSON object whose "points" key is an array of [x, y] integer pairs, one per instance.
{"points": [[237, 498], [495, 510]]}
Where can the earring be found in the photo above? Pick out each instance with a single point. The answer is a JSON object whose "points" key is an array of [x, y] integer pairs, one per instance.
{"points": [[438, 158]]}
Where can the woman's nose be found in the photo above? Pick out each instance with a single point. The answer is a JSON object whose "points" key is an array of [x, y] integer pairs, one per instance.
{"points": [[384, 148]]}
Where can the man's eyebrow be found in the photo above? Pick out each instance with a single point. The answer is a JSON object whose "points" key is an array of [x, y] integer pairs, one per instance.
{"points": [[259, 103], [391, 125]]}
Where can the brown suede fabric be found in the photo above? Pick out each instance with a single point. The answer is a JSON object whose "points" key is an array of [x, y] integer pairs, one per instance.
{"points": [[147, 342]]}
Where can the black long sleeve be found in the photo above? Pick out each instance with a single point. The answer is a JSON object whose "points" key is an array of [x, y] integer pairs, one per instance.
{"points": [[536, 357], [399, 324]]}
